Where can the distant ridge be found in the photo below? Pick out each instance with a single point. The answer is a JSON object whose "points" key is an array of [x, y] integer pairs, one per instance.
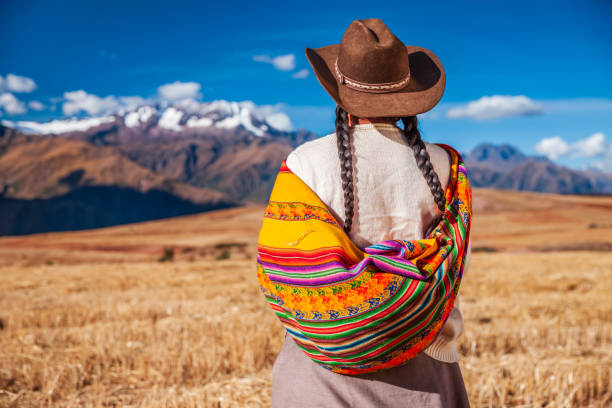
{"points": [[55, 184], [505, 167]]}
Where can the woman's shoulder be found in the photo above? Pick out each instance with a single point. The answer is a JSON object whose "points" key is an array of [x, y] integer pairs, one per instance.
{"points": [[441, 161], [437, 152], [309, 146], [316, 163], [314, 150], [443, 147]]}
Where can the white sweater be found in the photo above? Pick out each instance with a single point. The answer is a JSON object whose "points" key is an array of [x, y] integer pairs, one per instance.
{"points": [[392, 198]]}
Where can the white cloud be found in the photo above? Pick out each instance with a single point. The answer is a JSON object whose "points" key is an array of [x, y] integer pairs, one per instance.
{"points": [[190, 105], [180, 90], [594, 147], [16, 83], [552, 147], [58, 126], [280, 121], [36, 105], [280, 62], [11, 104], [284, 62], [273, 115], [77, 101], [302, 73], [132, 102], [170, 119], [496, 106], [80, 101]]}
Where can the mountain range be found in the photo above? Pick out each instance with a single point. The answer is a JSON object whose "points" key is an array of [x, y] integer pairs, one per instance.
{"points": [[159, 161], [505, 167], [152, 162]]}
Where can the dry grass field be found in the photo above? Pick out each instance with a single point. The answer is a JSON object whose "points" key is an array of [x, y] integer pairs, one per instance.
{"points": [[168, 313]]}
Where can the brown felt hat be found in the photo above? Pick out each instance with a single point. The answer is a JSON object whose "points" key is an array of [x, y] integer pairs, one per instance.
{"points": [[371, 73]]}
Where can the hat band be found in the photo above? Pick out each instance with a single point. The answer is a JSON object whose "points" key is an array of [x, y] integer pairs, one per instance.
{"points": [[369, 87]]}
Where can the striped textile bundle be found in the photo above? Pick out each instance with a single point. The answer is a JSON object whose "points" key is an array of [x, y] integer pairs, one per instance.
{"points": [[355, 311]]}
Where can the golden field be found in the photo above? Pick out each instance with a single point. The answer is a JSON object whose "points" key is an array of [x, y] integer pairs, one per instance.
{"points": [[168, 313]]}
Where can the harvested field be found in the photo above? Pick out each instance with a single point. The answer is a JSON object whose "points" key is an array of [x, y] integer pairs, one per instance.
{"points": [[168, 313]]}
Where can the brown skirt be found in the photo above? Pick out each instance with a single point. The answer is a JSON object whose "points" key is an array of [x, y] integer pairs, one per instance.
{"points": [[299, 382]]}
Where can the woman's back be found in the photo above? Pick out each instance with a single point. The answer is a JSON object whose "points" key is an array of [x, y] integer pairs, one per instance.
{"points": [[392, 201]]}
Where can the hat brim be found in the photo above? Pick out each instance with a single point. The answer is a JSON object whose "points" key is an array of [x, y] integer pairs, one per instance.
{"points": [[422, 93]]}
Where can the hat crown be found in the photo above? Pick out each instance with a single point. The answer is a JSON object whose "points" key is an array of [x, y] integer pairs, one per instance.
{"points": [[370, 53]]}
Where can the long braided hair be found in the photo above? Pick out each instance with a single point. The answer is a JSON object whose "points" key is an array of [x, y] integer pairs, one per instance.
{"points": [[413, 137], [343, 136]]}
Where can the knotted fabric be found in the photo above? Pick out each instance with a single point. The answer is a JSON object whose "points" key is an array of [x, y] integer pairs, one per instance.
{"points": [[356, 311]]}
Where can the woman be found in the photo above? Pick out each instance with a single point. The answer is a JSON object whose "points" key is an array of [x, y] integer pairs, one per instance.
{"points": [[380, 182]]}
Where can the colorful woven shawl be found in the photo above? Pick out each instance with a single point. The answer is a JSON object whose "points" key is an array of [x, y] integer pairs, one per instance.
{"points": [[355, 311]]}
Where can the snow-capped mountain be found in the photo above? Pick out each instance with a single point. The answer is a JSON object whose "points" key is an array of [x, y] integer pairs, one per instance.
{"points": [[149, 161], [184, 115]]}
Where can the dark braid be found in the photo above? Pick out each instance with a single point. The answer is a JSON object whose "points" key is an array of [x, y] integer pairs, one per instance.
{"points": [[413, 136], [343, 136]]}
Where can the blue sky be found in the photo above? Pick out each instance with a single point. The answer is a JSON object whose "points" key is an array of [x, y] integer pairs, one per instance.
{"points": [[536, 73]]}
